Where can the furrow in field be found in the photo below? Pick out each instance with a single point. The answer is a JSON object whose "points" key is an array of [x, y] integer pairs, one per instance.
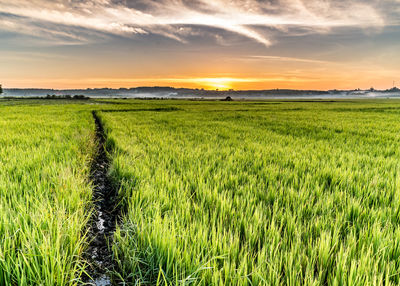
{"points": [[103, 222]]}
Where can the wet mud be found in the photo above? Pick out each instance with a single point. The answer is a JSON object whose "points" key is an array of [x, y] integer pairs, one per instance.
{"points": [[103, 221]]}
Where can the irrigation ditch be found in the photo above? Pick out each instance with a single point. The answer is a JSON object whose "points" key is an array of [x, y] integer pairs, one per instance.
{"points": [[103, 222], [107, 210]]}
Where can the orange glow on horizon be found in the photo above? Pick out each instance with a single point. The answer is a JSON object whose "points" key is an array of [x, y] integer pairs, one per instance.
{"points": [[208, 83], [221, 84]]}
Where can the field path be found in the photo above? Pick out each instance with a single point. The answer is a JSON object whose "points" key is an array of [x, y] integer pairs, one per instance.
{"points": [[103, 222]]}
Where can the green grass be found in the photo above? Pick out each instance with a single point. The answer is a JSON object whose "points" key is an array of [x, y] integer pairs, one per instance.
{"points": [[259, 193], [45, 195], [213, 193]]}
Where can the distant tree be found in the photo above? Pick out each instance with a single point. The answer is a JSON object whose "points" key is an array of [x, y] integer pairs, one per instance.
{"points": [[228, 98], [79, 96], [1, 89]]}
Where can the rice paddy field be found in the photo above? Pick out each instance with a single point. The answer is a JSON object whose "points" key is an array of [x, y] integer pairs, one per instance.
{"points": [[45, 197], [211, 193]]}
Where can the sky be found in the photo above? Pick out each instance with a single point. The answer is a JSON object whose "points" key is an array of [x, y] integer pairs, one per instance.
{"points": [[212, 44]]}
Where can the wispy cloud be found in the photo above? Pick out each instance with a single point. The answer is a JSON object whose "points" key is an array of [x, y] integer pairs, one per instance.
{"points": [[287, 59], [170, 18]]}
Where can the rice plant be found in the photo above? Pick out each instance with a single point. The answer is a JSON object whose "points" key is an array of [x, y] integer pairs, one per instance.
{"points": [[213, 193], [45, 195], [258, 193]]}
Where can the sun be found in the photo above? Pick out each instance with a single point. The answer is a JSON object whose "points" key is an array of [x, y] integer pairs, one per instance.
{"points": [[215, 83]]}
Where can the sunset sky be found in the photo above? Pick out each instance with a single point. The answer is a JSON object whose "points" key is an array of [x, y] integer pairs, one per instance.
{"points": [[247, 44]]}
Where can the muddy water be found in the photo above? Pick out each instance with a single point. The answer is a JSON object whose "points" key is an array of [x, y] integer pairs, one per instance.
{"points": [[103, 221]]}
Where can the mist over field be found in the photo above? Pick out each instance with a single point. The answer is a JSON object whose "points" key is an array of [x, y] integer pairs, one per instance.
{"points": [[171, 93]]}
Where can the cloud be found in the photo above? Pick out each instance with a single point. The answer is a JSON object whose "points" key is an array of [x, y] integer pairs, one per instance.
{"points": [[251, 19], [287, 59], [48, 32]]}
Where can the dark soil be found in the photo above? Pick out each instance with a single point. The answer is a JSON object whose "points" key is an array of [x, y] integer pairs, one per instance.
{"points": [[103, 222]]}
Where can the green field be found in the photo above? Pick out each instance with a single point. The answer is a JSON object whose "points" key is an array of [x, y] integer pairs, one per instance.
{"points": [[212, 193], [45, 196]]}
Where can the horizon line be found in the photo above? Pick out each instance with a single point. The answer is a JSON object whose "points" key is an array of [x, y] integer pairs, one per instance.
{"points": [[192, 88]]}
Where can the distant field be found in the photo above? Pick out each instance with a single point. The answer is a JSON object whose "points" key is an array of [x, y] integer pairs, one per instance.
{"points": [[212, 193]]}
